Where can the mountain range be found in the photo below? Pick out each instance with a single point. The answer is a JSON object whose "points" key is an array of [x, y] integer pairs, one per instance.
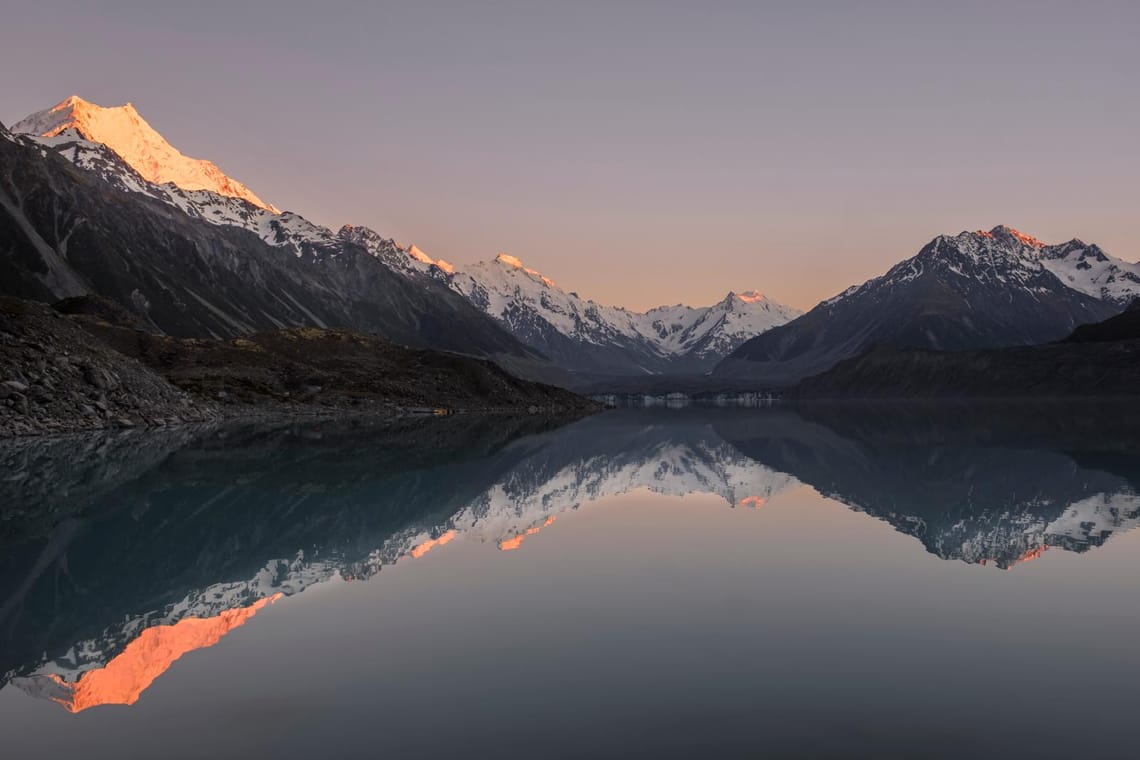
{"points": [[93, 200], [119, 149]]}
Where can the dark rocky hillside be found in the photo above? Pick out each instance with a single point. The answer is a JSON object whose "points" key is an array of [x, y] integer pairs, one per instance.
{"points": [[1097, 360], [65, 372]]}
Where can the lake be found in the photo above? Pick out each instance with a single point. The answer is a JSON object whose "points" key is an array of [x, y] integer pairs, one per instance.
{"points": [[822, 581]]}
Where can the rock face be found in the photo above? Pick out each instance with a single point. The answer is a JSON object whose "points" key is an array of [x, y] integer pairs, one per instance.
{"points": [[54, 377], [971, 291], [1098, 360], [71, 231]]}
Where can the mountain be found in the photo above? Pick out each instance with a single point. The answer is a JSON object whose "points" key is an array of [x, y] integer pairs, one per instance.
{"points": [[126, 133], [970, 291], [76, 219], [120, 148], [1092, 271], [1099, 359], [584, 336]]}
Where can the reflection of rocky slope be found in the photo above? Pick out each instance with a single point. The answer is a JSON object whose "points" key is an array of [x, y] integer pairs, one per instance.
{"points": [[212, 523], [978, 484]]}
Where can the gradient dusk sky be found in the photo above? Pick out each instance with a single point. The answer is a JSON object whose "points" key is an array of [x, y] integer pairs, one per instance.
{"points": [[638, 153]]}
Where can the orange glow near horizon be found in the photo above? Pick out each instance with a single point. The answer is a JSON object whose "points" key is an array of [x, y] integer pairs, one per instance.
{"points": [[430, 544], [123, 680], [753, 501], [510, 544]]}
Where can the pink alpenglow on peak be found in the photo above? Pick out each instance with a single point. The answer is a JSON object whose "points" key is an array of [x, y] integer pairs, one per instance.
{"points": [[1018, 234], [124, 131], [515, 263], [751, 296], [423, 258]]}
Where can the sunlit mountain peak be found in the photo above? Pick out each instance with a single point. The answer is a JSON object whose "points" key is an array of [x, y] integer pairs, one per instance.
{"points": [[124, 131]]}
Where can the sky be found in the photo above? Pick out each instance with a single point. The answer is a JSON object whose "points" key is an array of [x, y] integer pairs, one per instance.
{"points": [[638, 153]]}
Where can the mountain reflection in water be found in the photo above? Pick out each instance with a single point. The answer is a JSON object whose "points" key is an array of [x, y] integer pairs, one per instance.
{"points": [[126, 550]]}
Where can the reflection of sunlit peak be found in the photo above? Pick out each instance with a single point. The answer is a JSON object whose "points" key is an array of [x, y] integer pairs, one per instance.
{"points": [[514, 542], [1029, 556], [431, 543], [122, 680], [752, 501], [1008, 564]]}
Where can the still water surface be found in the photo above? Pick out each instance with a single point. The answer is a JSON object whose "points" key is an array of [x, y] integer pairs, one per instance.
{"points": [[828, 582]]}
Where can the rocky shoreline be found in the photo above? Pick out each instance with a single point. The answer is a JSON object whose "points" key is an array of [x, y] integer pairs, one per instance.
{"points": [[91, 370]]}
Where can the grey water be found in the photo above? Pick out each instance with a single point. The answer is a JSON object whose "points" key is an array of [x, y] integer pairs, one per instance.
{"points": [[823, 581]]}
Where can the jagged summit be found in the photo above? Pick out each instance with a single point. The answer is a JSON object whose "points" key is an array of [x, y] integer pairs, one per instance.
{"points": [[514, 262], [124, 131], [1003, 231]]}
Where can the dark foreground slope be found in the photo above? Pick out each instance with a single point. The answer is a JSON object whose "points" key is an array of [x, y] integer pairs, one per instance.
{"points": [[65, 372], [68, 232], [1097, 360]]}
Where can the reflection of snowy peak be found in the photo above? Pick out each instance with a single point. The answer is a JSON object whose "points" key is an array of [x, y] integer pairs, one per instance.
{"points": [[539, 490], [519, 502], [152, 584]]}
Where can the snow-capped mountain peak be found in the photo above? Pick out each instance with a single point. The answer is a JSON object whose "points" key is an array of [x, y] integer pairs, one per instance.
{"points": [[513, 262], [1002, 231], [123, 130]]}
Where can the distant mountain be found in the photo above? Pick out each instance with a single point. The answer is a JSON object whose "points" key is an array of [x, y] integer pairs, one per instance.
{"points": [[200, 264], [584, 336], [1100, 359], [1092, 271], [126, 133], [970, 291]]}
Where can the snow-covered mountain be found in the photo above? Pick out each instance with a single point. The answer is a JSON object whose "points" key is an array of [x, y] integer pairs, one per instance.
{"points": [[122, 149], [585, 335], [183, 261], [580, 334], [984, 289], [1090, 270], [124, 131]]}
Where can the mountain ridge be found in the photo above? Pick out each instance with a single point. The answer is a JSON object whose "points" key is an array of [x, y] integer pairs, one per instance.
{"points": [[973, 290], [123, 130], [117, 145]]}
